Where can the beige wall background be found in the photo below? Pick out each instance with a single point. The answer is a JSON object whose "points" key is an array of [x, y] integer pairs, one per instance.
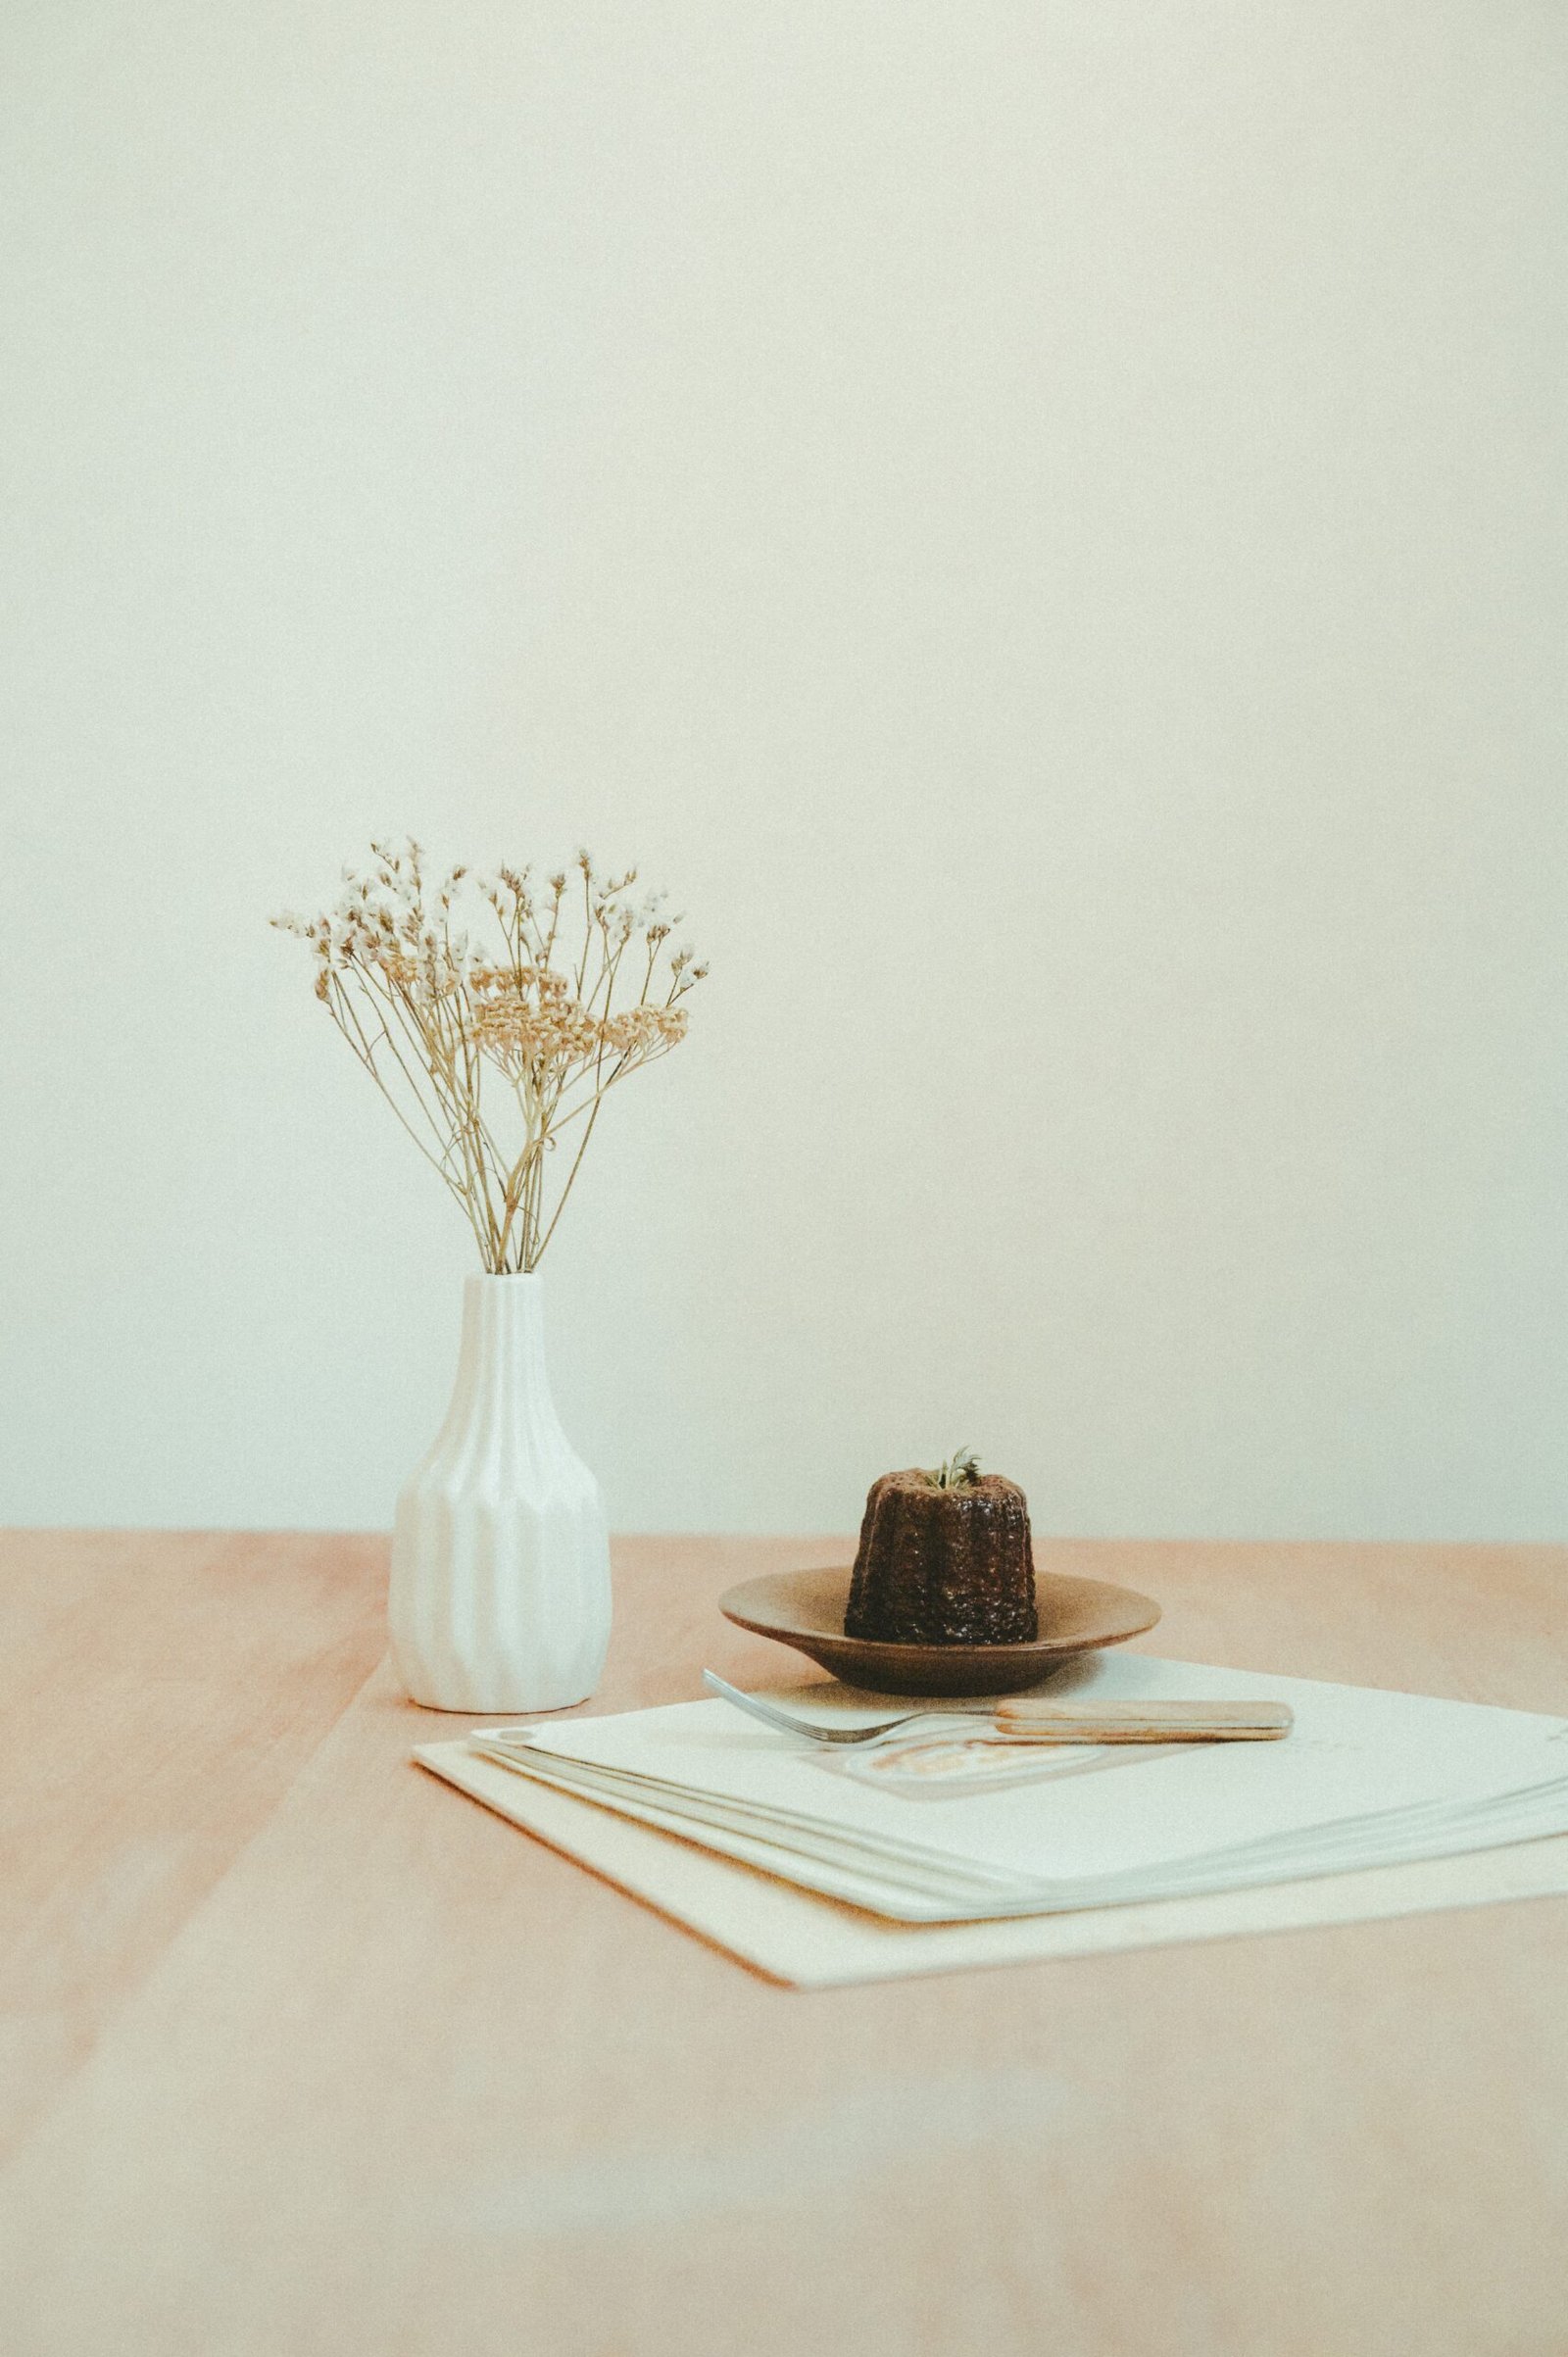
{"points": [[1042, 522]]}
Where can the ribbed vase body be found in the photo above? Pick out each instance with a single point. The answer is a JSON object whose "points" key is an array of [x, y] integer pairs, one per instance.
{"points": [[500, 1596]]}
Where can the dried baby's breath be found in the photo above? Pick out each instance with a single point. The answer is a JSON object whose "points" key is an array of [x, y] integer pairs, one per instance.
{"points": [[495, 1012]]}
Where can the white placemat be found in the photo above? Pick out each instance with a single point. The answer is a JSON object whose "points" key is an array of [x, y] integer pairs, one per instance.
{"points": [[813, 1942]]}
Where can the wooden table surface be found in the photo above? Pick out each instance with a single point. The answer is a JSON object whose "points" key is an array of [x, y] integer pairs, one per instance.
{"points": [[304, 2054]]}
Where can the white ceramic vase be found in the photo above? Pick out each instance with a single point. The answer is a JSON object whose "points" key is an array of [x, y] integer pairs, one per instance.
{"points": [[500, 1596]]}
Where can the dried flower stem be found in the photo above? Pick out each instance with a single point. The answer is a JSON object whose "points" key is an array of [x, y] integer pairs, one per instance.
{"points": [[448, 1030]]}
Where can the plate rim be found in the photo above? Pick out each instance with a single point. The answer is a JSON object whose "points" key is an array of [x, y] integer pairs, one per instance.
{"points": [[1018, 1651]]}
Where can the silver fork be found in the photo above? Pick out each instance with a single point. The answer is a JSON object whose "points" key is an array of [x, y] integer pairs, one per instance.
{"points": [[771, 1716]]}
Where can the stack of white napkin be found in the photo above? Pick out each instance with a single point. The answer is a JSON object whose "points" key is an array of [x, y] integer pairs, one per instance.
{"points": [[1365, 1779]]}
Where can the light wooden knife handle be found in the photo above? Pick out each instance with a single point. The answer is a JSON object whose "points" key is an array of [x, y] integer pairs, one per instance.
{"points": [[1036, 1719]]}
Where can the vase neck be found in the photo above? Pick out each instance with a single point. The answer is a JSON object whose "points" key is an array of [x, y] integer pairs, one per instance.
{"points": [[504, 1337]]}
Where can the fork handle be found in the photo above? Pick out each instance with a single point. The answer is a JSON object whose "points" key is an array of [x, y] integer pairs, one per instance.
{"points": [[1035, 1719]]}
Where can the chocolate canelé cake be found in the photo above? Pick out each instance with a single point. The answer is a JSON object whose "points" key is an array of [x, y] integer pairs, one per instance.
{"points": [[943, 1560]]}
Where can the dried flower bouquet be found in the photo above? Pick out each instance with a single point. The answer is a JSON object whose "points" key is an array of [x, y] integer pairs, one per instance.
{"points": [[495, 1015]]}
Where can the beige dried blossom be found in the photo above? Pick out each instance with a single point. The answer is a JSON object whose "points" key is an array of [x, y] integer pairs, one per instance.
{"points": [[489, 1054]]}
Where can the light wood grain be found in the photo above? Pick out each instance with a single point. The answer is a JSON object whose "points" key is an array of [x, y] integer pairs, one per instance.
{"points": [[161, 1693], [403, 2081], [1037, 1720]]}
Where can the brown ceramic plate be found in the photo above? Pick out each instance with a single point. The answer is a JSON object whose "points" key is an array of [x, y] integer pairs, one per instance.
{"points": [[805, 1610]]}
